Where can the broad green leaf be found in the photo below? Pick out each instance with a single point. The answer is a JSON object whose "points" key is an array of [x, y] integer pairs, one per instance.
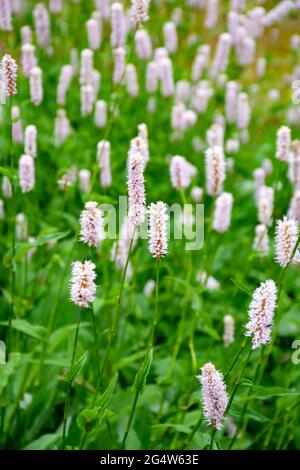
{"points": [[56, 359], [133, 441], [262, 393], [7, 369], [241, 286], [78, 366], [236, 411], [177, 427], [45, 442], [289, 324], [141, 376], [61, 333], [7, 172], [22, 248], [125, 361], [2, 352], [41, 409], [35, 331], [209, 331], [201, 440], [98, 409]]}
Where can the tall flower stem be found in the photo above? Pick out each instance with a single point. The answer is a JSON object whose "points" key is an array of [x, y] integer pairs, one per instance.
{"points": [[13, 234], [213, 433], [13, 245], [206, 245], [283, 428], [276, 419], [237, 383], [156, 309], [116, 317], [70, 383], [129, 423], [193, 432], [96, 339], [183, 315], [86, 429], [149, 347], [235, 360], [245, 407]]}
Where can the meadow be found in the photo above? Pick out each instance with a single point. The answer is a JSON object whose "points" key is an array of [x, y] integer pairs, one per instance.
{"points": [[149, 225]]}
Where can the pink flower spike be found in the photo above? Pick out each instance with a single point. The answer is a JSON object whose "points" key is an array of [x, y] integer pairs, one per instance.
{"points": [[91, 224], [83, 287], [158, 235], [214, 395], [261, 312]]}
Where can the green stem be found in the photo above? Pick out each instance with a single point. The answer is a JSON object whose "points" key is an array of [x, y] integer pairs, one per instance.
{"points": [[116, 317], [20, 395], [237, 383], [149, 346], [246, 404], [235, 360], [183, 197], [13, 237], [69, 386], [156, 310], [205, 250], [128, 426], [212, 438], [96, 339], [193, 432], [284, 427], [192, 344]]}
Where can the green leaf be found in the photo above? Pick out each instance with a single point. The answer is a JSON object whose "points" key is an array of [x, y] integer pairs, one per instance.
{"points": [[177, 427], [133, 441], [98, 410], [141, 376], [35, 331], [61, 333], [210, 331], [55, 359], [45, 442], [78, 366], [262, 393], [201, 440], [241, 287], [22, 248], [6, 172], [236, 411], [125, 361], [289, 324], [7, 369], [2, 352]]}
